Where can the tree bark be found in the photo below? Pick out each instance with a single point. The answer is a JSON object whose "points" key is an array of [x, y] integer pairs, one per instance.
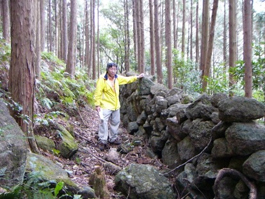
{"points": [[204, 40], [247, 47], [232, 41], [183, 28], [197, 32], [152, 49], [22, 65], [71, 58], [210, 46], [157, 45], [168, 44], [42, 24], [6, 20]]}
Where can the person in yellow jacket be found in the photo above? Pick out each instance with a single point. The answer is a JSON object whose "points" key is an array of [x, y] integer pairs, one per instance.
{"points": [[108, 104]]}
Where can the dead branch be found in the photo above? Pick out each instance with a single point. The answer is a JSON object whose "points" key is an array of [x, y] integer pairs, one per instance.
{"points": [[234, 173], [190, 158]]}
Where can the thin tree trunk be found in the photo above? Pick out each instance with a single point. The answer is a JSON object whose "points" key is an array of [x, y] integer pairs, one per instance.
{"points": [[210, 46], [157, 45], [191, 28], [127, 36], [204, 40], [225, 40], [93, 54], [64, 32], [168, 44], [152, 49], [174, 25], [87, 44], [71, 58], [197, 32], [247, 27], [6, 20], [42, 22], [38, 47], [135, 33], [142, 49], [232, 41], [183, 28]]}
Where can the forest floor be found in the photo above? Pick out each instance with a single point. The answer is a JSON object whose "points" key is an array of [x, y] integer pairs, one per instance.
{"points": [[89, 156]]}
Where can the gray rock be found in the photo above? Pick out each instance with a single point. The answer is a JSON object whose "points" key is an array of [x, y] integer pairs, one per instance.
{"points": [[170, 155], [240, 109], [254, 166], [13, 150], [246, 138], [143, 181], [221, 149]]}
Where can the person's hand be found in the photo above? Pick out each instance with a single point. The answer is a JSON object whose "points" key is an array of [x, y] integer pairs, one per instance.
{"points": [[97, 108], [140, 76]]}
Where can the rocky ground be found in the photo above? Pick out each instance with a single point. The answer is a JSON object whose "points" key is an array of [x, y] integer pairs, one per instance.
{"points": [[89, 157]]}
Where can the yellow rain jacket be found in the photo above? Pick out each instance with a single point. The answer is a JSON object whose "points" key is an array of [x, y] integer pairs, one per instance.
{"points": [[105, 96]]}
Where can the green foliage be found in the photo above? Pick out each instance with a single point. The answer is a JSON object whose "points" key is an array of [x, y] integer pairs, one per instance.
{"points": [[5, 51], [64, 90], [217, 85], [35, 188], [50, 57], [258, 71], [187, 76]]}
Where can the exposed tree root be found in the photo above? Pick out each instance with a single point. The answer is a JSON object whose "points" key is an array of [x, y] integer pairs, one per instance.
{"points": [[235, 174]]}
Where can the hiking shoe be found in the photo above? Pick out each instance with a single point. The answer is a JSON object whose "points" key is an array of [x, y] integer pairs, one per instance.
{"points": [[116, 142], [102, 146]]}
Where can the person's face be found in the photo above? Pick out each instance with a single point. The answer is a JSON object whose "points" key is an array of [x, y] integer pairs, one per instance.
{"points": [[112, 71]]}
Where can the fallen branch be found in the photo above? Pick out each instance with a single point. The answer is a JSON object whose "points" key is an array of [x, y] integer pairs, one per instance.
{"points": [[190, 158], [234, 173]]}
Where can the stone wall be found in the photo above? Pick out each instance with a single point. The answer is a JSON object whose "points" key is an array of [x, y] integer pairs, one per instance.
{"points": [[198, 139]]}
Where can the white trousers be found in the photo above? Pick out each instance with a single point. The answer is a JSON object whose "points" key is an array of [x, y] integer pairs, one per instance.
{"points": [[111, 118]]}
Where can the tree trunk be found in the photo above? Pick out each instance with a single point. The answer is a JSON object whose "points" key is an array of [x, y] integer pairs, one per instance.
{"points": [[42, 22], [142, 48], [127, 36], [247, 47], [232, 41], [191, 28], [6, 20], [157, 45], [197, 32], [38, 47], [210, 46], [168, 44], [152, 49], [135, 34], [21, 72], [70, 67], [183, 28], [87, 44], [64, 32], [225, 40], [204, 41], [92, 40]]}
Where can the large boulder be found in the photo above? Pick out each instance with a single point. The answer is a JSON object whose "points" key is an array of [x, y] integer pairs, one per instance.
{"points": [[45, 170], [245, 138], [240, 109], [254, 166], [13, 150], [143, 181]]}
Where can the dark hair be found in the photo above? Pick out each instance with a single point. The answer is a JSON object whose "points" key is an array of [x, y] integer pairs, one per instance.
{"points": [[109, 65]]}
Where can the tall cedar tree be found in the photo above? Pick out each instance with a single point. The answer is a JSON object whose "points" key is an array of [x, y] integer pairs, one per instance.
{"points": [[70, 66], [168, 44], [22, 65], [232, 41], [247, 47]]}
